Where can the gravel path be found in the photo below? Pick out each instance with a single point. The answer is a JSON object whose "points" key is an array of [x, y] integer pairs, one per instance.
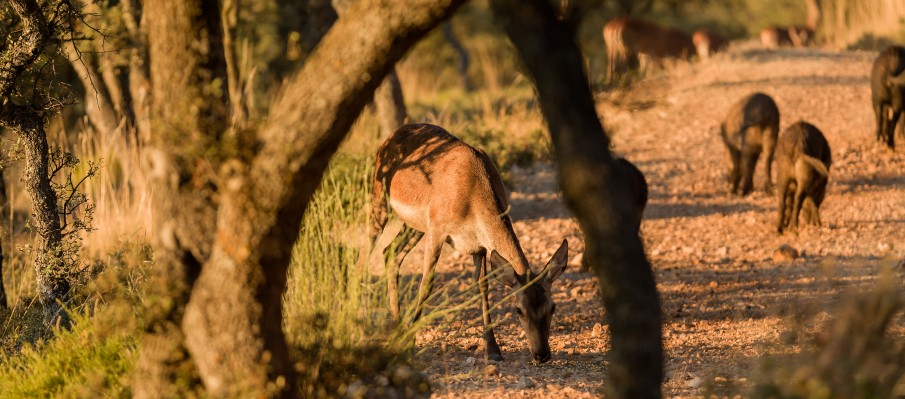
{"points": [[725, 296]]}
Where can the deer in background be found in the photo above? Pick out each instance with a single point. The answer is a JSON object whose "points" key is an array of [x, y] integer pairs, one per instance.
{"points": [[627, 38], [707, 43], [449, 191], [776, 36]]}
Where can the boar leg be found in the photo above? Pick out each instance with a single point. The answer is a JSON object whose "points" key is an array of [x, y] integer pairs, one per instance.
{"points": [[749, 162]]}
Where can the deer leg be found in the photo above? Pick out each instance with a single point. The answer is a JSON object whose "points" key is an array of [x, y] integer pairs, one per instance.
{"points": [[431, 255], [393, 256], [491, 348], [379, 214]]}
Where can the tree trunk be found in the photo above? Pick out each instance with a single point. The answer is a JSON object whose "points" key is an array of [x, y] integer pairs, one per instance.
{"points": [[4, 207], [98, 104], [464, 60], [50, 267], [139, 76], [595, 193], [390, 105], [28, 122], [389, 102], [232, 322], [188, 118], [4, 303]]}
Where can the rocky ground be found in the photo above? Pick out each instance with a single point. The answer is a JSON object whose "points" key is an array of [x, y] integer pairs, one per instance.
{"points": [[725, 290]]}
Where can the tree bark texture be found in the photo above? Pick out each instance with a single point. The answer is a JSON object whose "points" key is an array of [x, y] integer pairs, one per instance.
{"points": [[390, 105], [50, 269], [595, 193], [25, 51], [4, 207], [389, 102], [188, 116], [139, 75], [232, 322], [28, 122]]}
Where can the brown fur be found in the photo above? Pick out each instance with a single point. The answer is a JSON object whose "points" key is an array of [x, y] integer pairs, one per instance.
{"points": [[446, 190], [707, 43], [627, 38], [803, 162], [750, 128], [777, 36]]}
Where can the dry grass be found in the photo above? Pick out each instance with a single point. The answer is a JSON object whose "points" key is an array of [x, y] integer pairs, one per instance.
{"points": [[863, 23]]}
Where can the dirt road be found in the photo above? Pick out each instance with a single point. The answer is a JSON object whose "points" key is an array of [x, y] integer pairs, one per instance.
{"points": [[724, 296]]}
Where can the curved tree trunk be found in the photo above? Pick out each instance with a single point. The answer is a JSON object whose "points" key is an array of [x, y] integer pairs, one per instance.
{"points": [[233, 223], [389, 103], [595, 193]]}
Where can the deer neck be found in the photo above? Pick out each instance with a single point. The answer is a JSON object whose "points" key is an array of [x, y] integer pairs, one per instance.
{"points": [[508, 246]]}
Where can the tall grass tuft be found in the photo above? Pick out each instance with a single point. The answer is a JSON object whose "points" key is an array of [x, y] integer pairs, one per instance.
{"points": [[870, 24], [325, 286]]}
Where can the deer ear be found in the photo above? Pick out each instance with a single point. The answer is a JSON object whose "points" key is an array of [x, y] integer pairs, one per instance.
{"points": [[507, 275], [557, 264]]}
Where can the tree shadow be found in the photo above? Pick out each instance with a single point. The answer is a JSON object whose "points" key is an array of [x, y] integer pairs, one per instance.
{"points": [[656, 211]]}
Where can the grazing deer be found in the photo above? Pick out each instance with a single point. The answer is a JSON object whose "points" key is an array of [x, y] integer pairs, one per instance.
{"points": [[776, 36], [707, 43], [627, 38], [451, 192]]}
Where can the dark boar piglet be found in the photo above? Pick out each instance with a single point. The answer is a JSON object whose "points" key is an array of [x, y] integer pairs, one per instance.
{"points": [[751, 127], [803, 166]]}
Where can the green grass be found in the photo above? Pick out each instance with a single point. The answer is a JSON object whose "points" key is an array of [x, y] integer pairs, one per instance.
{"points": [[90, 360]]}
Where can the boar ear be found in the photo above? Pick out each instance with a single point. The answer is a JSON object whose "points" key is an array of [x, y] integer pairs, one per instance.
{"points": [[507, 275], [557, 264]]}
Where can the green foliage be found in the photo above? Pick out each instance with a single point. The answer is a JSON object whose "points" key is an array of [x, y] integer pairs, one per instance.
{"points": [[95, 357], [83, 362]]}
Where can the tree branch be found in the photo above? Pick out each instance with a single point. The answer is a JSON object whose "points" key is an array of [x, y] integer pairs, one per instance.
{"points": [[23, 53]]}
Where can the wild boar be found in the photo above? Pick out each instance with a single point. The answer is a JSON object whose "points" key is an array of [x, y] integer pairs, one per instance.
{"points": [[803, 166], [887, 86], [750, 127]]}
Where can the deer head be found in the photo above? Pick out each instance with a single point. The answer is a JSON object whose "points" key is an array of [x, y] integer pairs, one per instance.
{"points": [[534, 304]]}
